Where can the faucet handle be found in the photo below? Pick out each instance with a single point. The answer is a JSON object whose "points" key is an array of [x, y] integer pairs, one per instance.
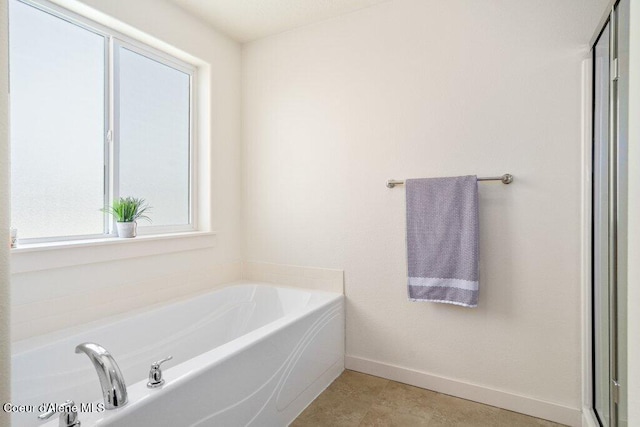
{"points": [[68, 414], [160, 362], [155, 373]]}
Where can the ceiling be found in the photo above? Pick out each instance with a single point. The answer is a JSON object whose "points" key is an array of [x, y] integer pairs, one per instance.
{"points": [[246, 20]]}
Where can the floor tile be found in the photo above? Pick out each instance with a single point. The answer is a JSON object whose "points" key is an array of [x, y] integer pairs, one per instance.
{"points": [[513, 419], [408, 399], [456, 412], [344, 403], [384, 416], [355, 399], [452, 411], [330, 409], [358, 386]]}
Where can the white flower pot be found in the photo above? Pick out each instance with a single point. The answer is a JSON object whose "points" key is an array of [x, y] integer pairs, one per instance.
{"points": [[126, 229]]}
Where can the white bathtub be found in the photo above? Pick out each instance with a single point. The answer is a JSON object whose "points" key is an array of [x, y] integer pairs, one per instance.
{"points": [[246, 354]]}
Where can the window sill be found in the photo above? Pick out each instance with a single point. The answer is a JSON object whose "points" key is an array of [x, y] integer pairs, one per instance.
{"points": [[44, 256]]}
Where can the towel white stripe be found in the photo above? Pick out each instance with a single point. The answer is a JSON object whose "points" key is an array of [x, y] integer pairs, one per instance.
{"points": [[436, 281], [461, 304]]}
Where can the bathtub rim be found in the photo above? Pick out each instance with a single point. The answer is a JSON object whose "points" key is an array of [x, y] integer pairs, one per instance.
{"points": [[38, 341]]}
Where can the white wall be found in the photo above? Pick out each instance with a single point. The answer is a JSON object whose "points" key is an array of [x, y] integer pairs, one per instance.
{"points": [[4, 216], [633, 277], [415, 88], [41, 299]]}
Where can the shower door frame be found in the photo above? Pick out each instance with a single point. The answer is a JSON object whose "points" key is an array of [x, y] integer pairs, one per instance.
{"points": [[609, 22]]}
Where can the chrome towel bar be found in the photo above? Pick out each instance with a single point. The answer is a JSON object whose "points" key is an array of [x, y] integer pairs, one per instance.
{"points": [[507, 178]]}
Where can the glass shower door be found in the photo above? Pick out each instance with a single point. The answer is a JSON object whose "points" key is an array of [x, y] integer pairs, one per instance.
{"points": [[609, 256], [601, 227]]}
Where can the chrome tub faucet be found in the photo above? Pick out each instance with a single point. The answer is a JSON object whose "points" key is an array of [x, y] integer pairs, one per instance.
{"points": [[114, 389]]}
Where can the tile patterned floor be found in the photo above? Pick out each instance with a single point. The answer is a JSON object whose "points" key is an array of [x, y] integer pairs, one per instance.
{"points": [[360, 400]]}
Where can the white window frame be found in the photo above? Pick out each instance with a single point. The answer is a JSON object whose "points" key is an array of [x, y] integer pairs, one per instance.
{"points": [[115, 44], [113, 41]]}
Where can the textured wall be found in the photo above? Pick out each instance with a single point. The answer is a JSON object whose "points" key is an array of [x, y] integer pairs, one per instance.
{"points": [[415, 88]]}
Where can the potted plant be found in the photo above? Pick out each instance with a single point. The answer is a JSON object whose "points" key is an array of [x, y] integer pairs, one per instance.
{"points": [[126, 211]]}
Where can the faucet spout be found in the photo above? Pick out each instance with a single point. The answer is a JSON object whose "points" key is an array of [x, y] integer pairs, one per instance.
{"points": [[114, 389]]}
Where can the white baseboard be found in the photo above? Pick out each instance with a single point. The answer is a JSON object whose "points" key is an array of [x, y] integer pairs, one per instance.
{"points": [[512, 402]]}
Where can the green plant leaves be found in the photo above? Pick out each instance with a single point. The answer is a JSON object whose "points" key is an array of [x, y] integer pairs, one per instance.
{"points": [[129, 209]]}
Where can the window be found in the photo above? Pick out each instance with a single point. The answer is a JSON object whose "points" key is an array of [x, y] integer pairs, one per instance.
{"points": [[94, 116]]}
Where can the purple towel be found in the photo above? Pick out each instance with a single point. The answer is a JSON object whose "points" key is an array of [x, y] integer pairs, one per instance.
{"points": [[442, 240]]}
